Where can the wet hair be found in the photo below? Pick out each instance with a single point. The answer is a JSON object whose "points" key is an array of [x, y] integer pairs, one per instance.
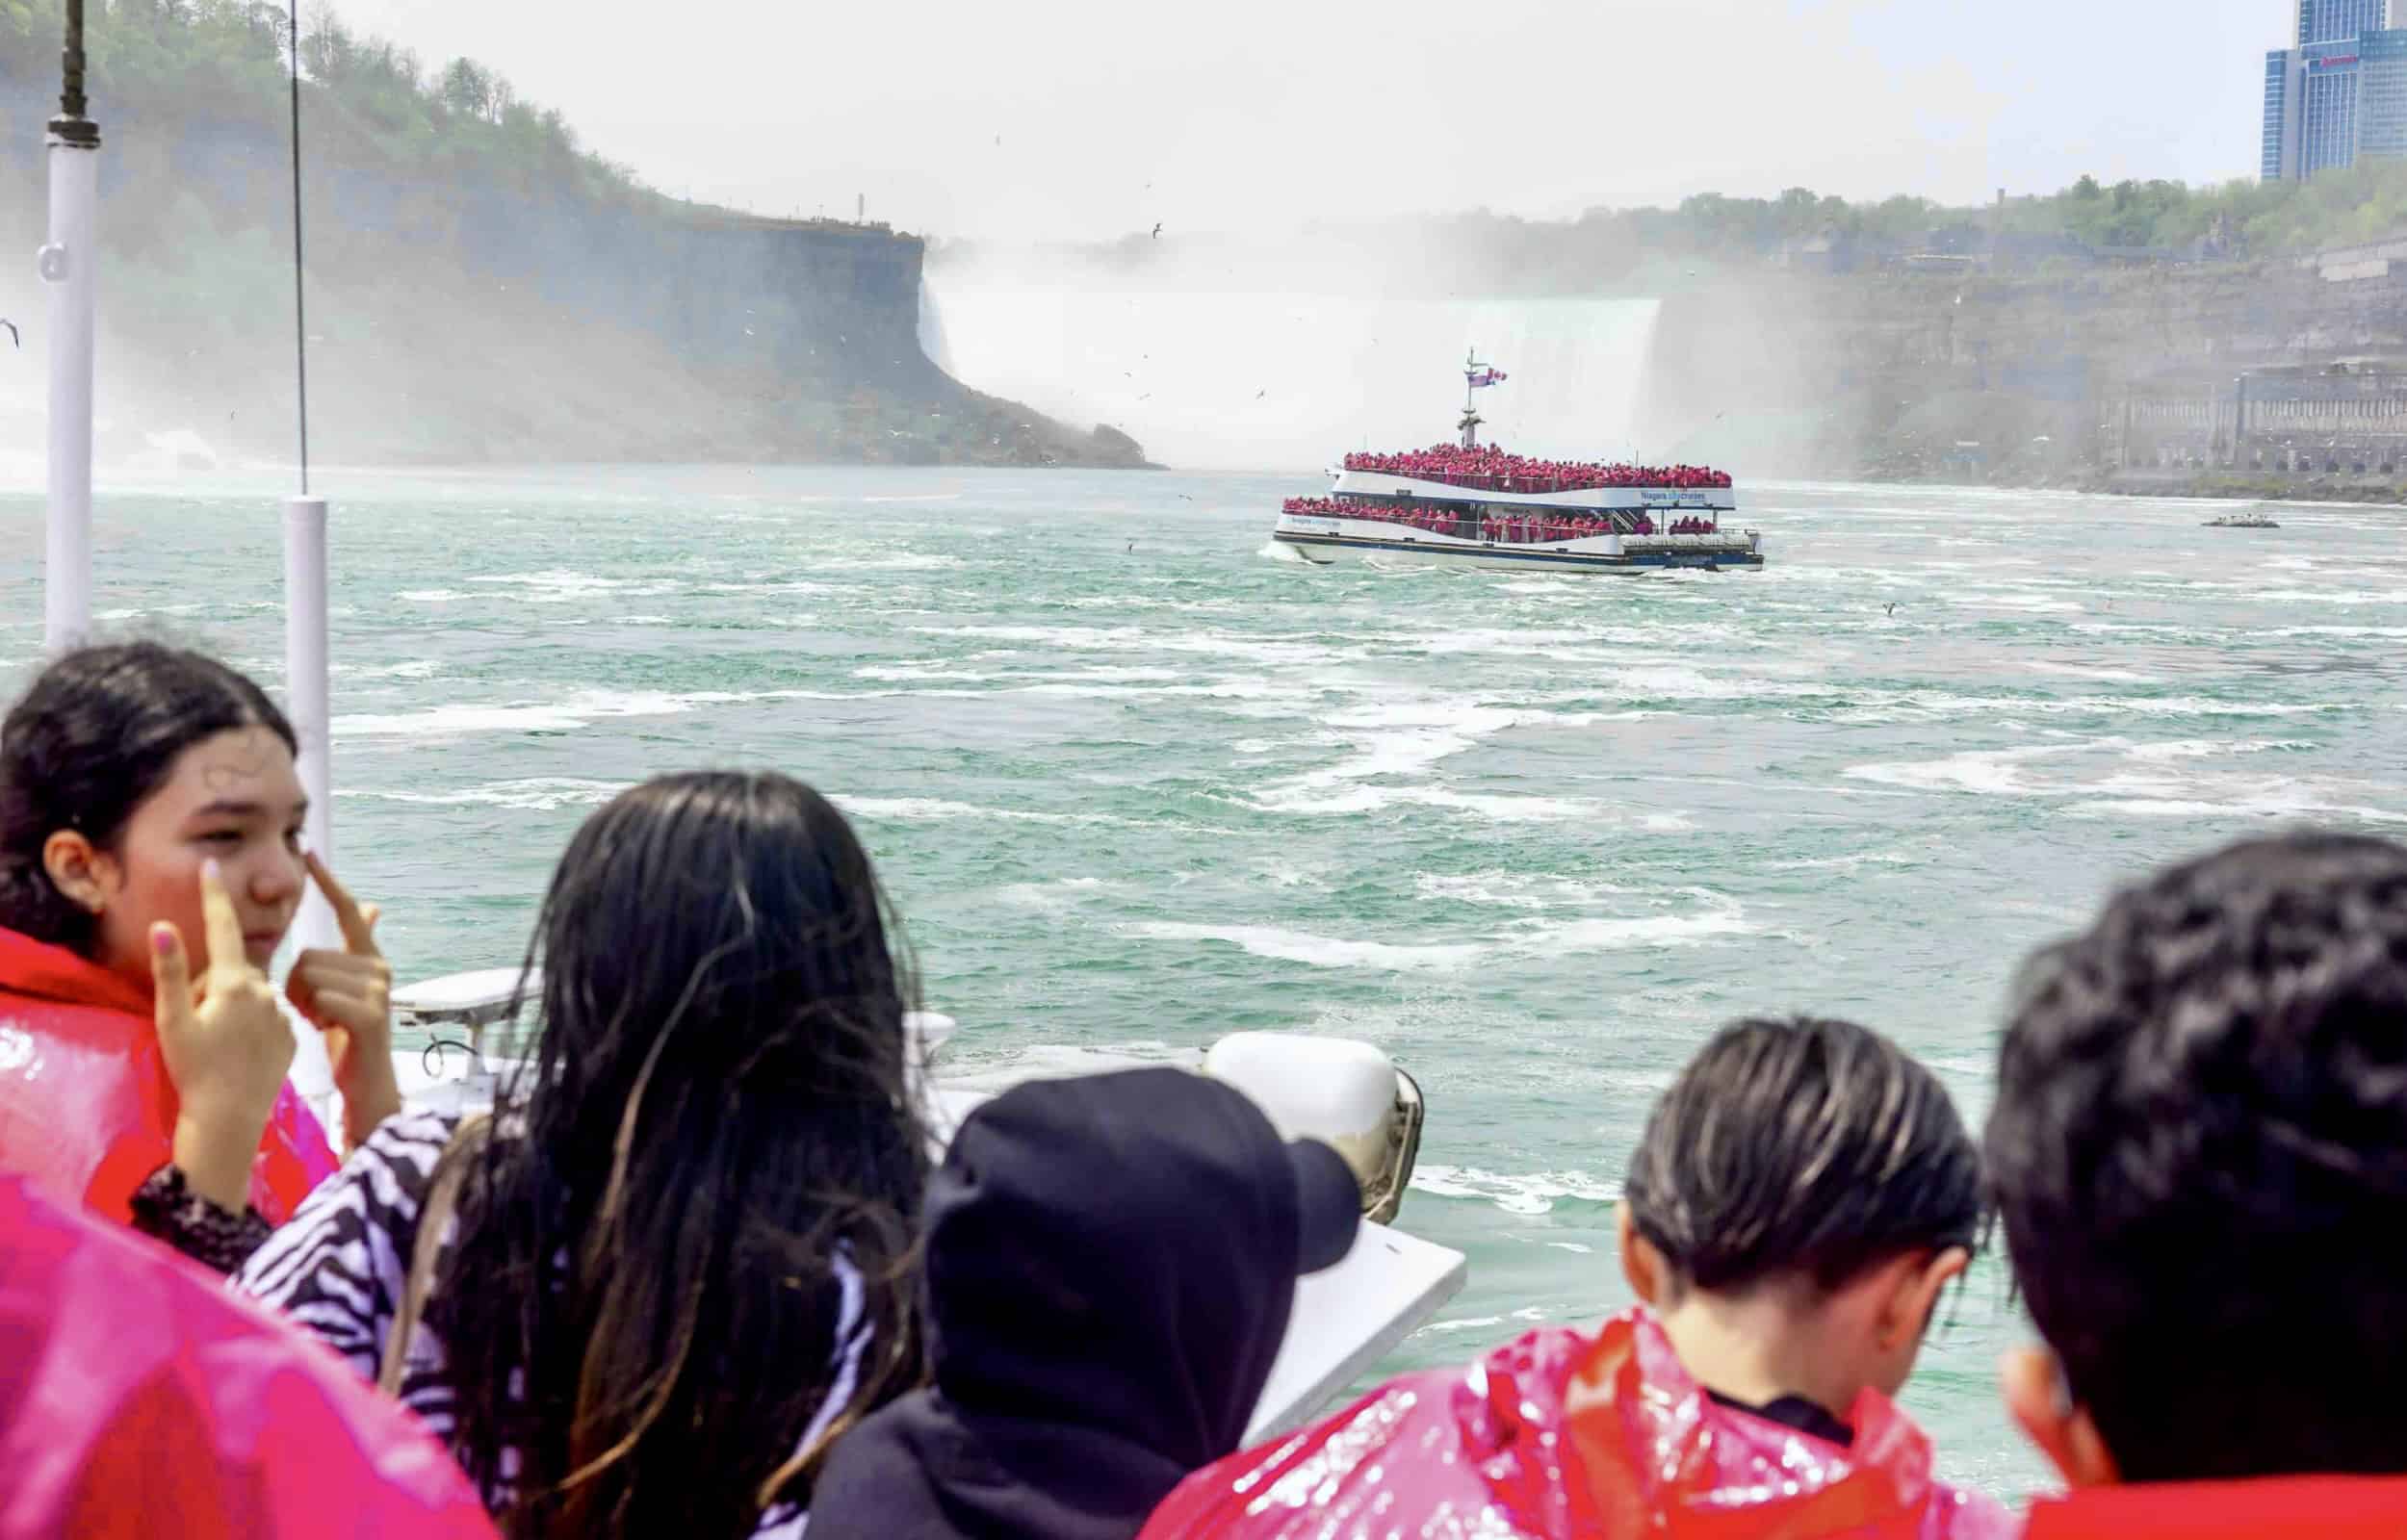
{"points": [[644, 1297], [2199, 1150], [92, 737], [1804, 1150]]}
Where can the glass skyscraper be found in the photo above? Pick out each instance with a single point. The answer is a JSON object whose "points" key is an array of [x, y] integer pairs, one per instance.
{"points": [[2336, 20], [2340, 92]]}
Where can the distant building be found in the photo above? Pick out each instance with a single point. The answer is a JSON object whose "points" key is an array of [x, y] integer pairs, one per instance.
{"points": [[2340, 92], [2338, 20]]}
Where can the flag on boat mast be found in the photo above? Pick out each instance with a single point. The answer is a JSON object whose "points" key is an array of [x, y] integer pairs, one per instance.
{"points": [[1482, 378]]}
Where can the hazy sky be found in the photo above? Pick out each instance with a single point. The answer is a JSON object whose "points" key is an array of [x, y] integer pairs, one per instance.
{"points": [[1085, 118]]}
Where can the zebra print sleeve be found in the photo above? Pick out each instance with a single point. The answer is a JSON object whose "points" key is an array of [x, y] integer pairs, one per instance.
{"points": [[337, 1269]]}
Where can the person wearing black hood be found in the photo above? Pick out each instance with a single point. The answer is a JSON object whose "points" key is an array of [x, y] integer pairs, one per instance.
{"points": [[1111, 1266]]}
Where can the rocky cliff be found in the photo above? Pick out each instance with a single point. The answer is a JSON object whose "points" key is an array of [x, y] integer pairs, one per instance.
{"points": [[478, 302], [2014, 379]]}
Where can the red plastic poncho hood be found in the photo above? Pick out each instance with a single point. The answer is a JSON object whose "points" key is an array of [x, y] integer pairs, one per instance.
{"points": [[139, 1398], [86, 1106], [1571, 1435]]}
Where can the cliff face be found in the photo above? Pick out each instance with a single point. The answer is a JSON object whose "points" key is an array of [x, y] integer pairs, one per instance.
{"points": [[460, 315], [2017, 380]]}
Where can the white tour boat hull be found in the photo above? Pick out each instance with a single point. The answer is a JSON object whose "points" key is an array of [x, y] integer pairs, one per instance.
{"points": [[1327, 542]]}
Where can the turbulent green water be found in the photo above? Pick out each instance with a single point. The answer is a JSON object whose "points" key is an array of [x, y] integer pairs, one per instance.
{"points": [[1136, 783]]}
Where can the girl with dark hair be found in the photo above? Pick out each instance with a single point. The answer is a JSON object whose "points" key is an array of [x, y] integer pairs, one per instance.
{"points": [[1801, 1194], [151, 864], [679, 1267]]}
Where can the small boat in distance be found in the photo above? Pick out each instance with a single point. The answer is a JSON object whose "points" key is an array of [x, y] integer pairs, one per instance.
{"points": [[2254, 519], [1474, 504]]}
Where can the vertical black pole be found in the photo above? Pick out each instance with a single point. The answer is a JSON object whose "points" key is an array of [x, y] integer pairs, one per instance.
{"points": [[300, 315], [73, 126]]}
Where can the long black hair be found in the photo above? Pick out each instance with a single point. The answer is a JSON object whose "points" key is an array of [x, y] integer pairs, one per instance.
{"points": [[717, 1123], [95, 734], [1805, 1148]]}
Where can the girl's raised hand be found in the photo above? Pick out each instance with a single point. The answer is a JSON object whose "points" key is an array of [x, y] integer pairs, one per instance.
{"points": [[348, 996], [225, 1045]]}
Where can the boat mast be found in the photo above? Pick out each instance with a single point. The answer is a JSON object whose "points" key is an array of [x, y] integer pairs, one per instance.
{"points": [[1470, 414], [68, 263]]}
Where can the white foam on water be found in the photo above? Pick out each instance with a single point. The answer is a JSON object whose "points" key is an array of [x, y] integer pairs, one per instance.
{"points": [[2180, 748], [1317, 951], [1555, 937], [1843, 863], [418, 668], [901, 561], [578, 711], [2085, 671], [1136, 639], [774, 588], [1401, 738], [923, 671], [536, 793], [1983, 772], [1517, 890], [1528, 1193]]}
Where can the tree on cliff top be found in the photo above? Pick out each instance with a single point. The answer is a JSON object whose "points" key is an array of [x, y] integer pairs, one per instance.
{"points": [[225, 62]]}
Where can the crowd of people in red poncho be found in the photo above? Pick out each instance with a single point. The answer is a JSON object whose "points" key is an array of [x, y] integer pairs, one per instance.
{"points": [[1529, 530], [1494, 470]]}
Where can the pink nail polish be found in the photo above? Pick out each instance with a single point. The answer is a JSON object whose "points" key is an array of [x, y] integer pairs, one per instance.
{"points": [[211, 870], [163, 940]]}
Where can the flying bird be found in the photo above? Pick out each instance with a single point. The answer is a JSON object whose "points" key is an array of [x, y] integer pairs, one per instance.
{"points": [[1157, 229], [13, 336]]}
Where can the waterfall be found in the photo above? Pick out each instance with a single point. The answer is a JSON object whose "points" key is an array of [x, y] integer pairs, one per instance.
{"points": [[1288, 381]]}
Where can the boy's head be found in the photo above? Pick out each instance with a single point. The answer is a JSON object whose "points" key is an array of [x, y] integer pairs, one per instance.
{"points": [[2199, 1149], [1815, 1171]]}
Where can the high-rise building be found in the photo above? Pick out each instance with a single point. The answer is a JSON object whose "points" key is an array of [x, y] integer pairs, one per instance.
{"points": [[2283, 91], [2342, 92], [2338, 20]]}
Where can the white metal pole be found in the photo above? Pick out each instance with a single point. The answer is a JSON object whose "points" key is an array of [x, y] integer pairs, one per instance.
{"points": [[305, 696], [69, 265]]}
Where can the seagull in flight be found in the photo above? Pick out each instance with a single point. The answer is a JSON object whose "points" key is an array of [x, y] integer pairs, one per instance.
{"points": [[13, 335], [1157, 229]]}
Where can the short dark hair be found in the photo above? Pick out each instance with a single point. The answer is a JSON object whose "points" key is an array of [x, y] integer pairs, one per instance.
{"points": [[94, 735], [1802, 1148], [2199, 1146]]}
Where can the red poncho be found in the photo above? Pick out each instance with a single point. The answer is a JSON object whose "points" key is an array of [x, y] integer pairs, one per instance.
{"points": [[1567, 1435], [138, 1398], [85, 1107]]}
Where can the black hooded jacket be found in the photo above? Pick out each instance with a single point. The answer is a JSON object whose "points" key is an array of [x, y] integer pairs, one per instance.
{"points": [[1111, 1266]]}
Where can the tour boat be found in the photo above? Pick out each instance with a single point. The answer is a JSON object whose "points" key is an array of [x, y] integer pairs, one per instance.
{"points": [[1476, 504]]}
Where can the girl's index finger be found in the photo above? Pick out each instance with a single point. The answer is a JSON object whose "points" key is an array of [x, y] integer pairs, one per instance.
{"points": [[222, 925], [359, 927]]}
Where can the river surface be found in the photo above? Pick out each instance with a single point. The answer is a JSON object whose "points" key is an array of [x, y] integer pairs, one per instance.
{"points": [[1135, 782]]}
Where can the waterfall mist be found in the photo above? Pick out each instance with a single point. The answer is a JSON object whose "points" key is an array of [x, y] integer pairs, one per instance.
{"points": [[1253, 377]]}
